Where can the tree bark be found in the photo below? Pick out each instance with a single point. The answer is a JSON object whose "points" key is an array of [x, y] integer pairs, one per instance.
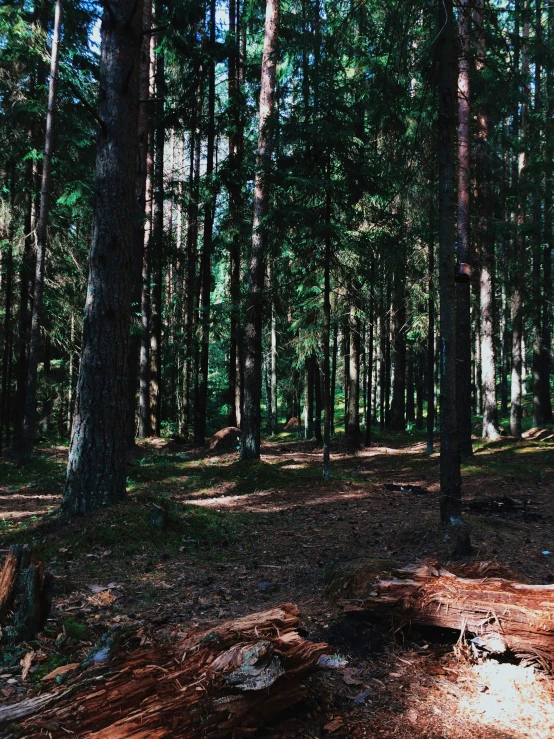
{"points": [[518, 286], [251, 421], [431, 345], [7, 272], [201, 404], [156, 252], [450, 479], [353, 426], [144, 126], [546, 402], [236, 157], [145, 418], [96, 470], [328, 382], [486, 241], [249, 670], [536, 307], [398, 405], [29, 418], [505, 615], [463, 293]]}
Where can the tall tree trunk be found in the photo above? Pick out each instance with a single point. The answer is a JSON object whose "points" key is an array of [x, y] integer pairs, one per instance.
{"points": [[201, 405], [353, 427], [236, 156], [26, 273], [369, 415], [145, 419], [96, 470], [398, 405], [6, 267], [486, 241], [431, 345], [518, 380], [29, 418], [156, 252], [463, 293], [411, 370], [546, 402], [328, 383], [334, 375], [273, 351], [537, 231], [250, 441], [317, 399], [309, 398], [144, 126], [450, 479]]}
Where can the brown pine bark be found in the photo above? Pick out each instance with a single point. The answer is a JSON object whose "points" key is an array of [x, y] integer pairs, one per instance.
{"points": [[450, 479], [223, 682], [29, 418], [96, 470], [251, 421], [505, 615], [463, 293]]}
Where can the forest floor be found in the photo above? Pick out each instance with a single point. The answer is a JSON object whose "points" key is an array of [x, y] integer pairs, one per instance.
{"points": [[244, 537]]}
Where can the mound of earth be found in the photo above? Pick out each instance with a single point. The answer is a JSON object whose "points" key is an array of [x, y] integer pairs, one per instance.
{"points": [[225, 440]]}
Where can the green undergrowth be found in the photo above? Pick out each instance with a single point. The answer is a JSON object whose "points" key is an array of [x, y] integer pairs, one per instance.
{"points": [[46, 472], [125, 530]]}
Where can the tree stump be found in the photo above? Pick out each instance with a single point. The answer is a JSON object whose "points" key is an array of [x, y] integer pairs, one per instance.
{"points": [[219, 682], [25, 596]]}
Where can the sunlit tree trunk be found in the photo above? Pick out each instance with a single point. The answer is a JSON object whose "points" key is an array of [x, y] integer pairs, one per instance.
{"points": [[250, 440], [29, 418], [450, 479], [96, 470]]}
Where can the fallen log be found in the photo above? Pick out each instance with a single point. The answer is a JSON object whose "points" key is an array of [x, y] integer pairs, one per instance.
{"points": [[221, 682], [506, 615], [25, 596]]}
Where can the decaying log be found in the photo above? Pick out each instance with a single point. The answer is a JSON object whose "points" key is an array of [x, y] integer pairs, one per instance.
{"points": [[25, 596], [506, 615], [222, 682]]}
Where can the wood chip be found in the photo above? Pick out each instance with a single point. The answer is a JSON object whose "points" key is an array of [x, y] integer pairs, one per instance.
{"points": [[60, 671]]}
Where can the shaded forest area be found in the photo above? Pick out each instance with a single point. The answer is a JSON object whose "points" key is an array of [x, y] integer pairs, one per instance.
{"points": [[313, 242]]}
